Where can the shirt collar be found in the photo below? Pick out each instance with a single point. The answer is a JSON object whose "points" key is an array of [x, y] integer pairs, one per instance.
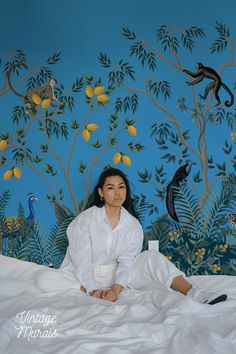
{"points": [[125, 216]]}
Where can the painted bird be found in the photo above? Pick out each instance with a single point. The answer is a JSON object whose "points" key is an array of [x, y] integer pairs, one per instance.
{"points": [[179, 176], [31, 218]]}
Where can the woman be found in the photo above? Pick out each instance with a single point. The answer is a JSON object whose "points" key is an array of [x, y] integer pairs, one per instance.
{"points": [[104, 252]]}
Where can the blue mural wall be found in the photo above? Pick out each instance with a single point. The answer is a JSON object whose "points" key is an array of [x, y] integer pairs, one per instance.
{"points": [[129, 93]]}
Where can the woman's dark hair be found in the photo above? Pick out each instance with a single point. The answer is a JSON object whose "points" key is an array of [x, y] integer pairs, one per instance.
{"points": [[110, 172]]}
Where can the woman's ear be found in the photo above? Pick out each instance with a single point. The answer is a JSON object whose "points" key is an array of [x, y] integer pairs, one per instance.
{"points": [[100, 192]]}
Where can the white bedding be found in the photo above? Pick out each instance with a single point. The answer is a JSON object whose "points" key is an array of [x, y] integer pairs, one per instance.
{"points": [[145, 321]]}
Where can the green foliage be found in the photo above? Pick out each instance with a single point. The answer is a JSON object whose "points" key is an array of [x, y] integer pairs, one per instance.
{"points": [[4, 200], [128, 34], [123, 69], [62, 212], [145, 56], [162, 87], [158, 230], [19, 114], [128, 103], [43, 76], [166, 35], [141, 207], [60, 242], [53, 59], [223, 38], [19, 58], [114, 122]]}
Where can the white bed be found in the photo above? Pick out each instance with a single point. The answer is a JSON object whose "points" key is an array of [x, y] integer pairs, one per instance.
{"points": [[146, 321]]}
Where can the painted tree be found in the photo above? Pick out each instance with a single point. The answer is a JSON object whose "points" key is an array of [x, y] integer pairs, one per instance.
{"points": [[52, 126], [64, 146], [202, 203]]}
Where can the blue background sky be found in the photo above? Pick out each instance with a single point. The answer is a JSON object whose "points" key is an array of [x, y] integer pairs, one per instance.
{"points": [[80, 30]]}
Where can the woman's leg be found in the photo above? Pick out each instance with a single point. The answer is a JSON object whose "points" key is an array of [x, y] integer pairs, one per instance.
{"points": [[51, 280], [153, 267]]}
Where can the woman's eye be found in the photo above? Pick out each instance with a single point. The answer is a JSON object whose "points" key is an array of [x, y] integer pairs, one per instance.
{"points": [[122, 187]]}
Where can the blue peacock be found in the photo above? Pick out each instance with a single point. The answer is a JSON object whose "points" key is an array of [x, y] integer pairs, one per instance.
{"points": [[16, 225]]}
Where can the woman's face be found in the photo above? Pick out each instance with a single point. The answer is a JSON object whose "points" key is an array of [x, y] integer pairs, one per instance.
{"points": [[113, 191]]}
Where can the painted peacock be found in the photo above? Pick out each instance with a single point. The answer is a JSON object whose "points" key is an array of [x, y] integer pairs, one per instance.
{"points": [[17, 226]]}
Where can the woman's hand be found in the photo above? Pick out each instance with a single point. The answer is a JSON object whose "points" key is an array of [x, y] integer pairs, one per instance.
{"points": [[112, 294], [109, 295], [96, 293], [82, 289]]}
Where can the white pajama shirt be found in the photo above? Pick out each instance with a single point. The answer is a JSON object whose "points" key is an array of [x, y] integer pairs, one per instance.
{"points": [[93, 242], [98, 257]]}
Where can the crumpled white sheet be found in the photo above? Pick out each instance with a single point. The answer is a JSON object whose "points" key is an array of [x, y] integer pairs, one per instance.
{"points": [[147, 321]]}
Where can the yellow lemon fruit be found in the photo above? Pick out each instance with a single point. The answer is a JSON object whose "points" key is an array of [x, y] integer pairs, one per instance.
{"points": [[46, 102], [98, 90], [17, 172], [7, 175], [86, 134], [36, 99], [89, 91], [92, 127], [126, 160], [102, 98], [132, 130], [116, 157], [3, 145]]}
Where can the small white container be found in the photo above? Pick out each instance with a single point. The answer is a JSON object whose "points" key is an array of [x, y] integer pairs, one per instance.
{"points": [[153, 245]]}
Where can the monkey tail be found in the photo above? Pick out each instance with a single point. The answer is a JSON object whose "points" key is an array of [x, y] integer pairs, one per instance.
{"points": [[170, 202], [9, 77], [227, 103]]}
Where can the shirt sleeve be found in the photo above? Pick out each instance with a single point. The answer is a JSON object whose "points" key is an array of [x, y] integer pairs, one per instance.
{"points": [[126, 259], [80, 251]]}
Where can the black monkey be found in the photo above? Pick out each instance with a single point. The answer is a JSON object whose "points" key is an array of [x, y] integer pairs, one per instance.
{"points": [[44, 91], [204, 72]]}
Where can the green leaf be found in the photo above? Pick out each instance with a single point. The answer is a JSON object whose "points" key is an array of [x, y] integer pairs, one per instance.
{"points": [[128, 34], [54, 58]]}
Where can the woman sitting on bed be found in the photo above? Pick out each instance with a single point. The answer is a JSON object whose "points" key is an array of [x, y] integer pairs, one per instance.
{"points": [[104, 252]]}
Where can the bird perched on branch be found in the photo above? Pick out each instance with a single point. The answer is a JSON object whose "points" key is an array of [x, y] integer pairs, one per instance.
{"points": [[171, 190]]}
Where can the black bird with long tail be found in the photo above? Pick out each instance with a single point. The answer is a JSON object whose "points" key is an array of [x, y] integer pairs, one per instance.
{"points": [[179, 176]]}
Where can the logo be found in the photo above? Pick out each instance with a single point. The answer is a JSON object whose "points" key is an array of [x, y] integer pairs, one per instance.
{"points": [[36, 325]]}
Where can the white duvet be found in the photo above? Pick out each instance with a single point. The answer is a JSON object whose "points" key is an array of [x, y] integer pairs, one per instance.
{"points": [[145, 321]]}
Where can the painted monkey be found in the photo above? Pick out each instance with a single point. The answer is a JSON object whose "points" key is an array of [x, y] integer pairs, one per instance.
{"points": [[204, 72], [44, 91]]}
